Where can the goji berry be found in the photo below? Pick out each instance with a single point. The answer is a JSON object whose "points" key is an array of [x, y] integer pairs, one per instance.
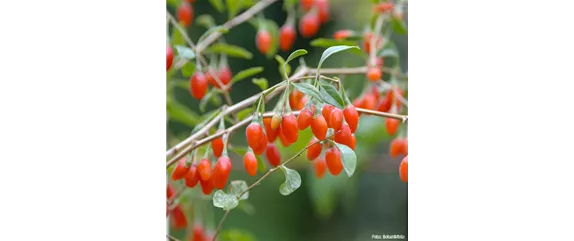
{"points": [[323, 6], [336, 119], [307, 4], [287, 37], [289, 128], [352, 117], [261, 148], [206, 186], [221, 172], [275, 121], [320, 168], [185, 13], [178, 218], [344, 136], [353, 142], [309, 24], [404, 169], [273, 155], [180, 169], [319, 127], [392, 125], [313, 151], [250, 163], [263, 41], [169, 57], [204, 169], [333, 159], [192, 177], [217, 146], [269, 132], [342, 34], [326, 112], [198, 85], [254, 135], [374, 74], [304, 119]]}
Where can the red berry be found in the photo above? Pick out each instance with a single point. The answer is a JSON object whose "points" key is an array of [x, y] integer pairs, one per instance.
{"points": [[287, 37], [333, 158], [289, 128], [206, 186], [392, 125], [169, 57], [273, 155], [275, 121], [307, 4], [224, 74], [353, 142], [294, 98], [309, 24], [404, 169], [204, 170], [336, 119], [313, 151], [342, 34], [262, 145], [323, 6], [385, 105], [170, 191], [304, 119], [185, 13], [217, 146], [198, 233], [180, 169], [367, 42], [319, 127], [405, 149], [320, 168], [282, 138], [352, 117], [395, 148], [326, 112], [269, 132], [198, 85], [221, 172], [344, 136], [369, 101], [254, 134], [250, 163], [178, 218], [192, 177], [263, 41], [383, 7], [374, 74]]}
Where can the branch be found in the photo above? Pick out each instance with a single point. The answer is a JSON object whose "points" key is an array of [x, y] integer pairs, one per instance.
{"points": [[403, 118], [234, 22], [171, 238], [181, 30], [352, 70], [220, 223]]}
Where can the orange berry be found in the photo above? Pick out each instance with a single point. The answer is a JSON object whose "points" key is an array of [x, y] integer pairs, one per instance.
{"points": [[287, 37], [261, 148], [323, 6], [282, 138], [178, 218], [309, 24], [404, 169], [254, 135], [250, 163], [344, 136], [392, 125], [294, 98], [206, 186], [289, 128], [352, 117], [271, 134], [307, 4], [180, 169], [342, 34], [273, 155], [374, 74], [333, 158], [313, 151], [185, 13], [275, 121], [198, 85], [192, 177], [353, 142], [320, 168], [204, 169], [369, 101], [396, 148], [326, 112], [336, 119], [304, 119], [263, 41], [217, 146], [405, 149], [383, 7], [319, 127], [221, 172]]}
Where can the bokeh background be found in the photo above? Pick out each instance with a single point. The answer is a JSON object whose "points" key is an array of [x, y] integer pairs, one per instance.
{"points": [[373, 201]]}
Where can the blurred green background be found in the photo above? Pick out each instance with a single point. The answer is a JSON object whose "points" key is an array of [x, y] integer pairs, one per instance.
{"points": [[372, 202]]}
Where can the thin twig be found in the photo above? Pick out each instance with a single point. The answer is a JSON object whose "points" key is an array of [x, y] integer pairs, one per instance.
{"points": [[352, 70], [403, 118], [220, 223], [171, 238], [249, 13], [181, 30]]}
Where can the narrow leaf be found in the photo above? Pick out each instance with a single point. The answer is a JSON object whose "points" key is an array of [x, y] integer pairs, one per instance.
{"points": [[185, 52], [233, 7], [260, 164], [261, 82], [284, 69], [330, 95], [241, 115], [181, 113], [225, 201], [289, 4], [296, 54], [308, 89], [209, 116], [211, 30], [246, 73], [332, 50], [236, 187], [229, 50], [348, 157], [205, 21], [217, 4], [399, 25], [326, 43], [188, 69], [292, 181]]}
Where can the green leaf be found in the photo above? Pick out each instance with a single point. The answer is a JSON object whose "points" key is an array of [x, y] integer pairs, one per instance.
{"points": [[211, 30], [224, 200], [241, 115], [205, 21], [260, 164], [261, 82], [229, 50], [292, 181], [399, 25], [295, 54], [289, 4], [348, 158], [181, 113], [172, 3], [209, 116], [282, 70], [248, 3], [330, 95], [326, 42], [235, 235], [233, 7], [207, 97], [185, 52], [236, 187], [188, 69], [246, 73], [217, 4], [308, 89], [177, 37], [332, 50]]}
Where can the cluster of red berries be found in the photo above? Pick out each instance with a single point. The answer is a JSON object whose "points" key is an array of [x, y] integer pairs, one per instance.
{"points": [[316, 13], [203, 173], [185, 12], [374, 72], [373, 100], [297, 100], [199, 81]]}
